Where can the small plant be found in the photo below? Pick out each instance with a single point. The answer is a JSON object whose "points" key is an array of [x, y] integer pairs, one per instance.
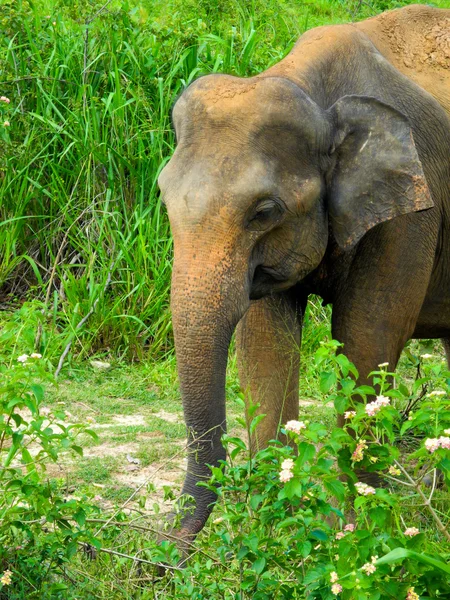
{"points": [[40, 526]]}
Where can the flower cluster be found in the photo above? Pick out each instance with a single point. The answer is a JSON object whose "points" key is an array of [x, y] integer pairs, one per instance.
{"points": [[373, 407], [411, 531], [295, 426], [437, 393], [432, 444], [358, 454], [350, 414], [370, 568], [5, 579], [364, 489], [336, 588], [286, 470], [24, 357], [5, 99], [412, 594]]}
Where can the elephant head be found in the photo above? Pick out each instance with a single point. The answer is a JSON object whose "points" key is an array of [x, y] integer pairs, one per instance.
{"points": [[260, 176]]}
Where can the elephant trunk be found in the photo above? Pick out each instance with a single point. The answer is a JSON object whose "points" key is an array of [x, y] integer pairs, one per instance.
{"points": [[207, 303]]}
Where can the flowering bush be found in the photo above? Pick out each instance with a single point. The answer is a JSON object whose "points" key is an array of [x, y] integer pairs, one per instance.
{"points": [[39, 527], [289, 526]]}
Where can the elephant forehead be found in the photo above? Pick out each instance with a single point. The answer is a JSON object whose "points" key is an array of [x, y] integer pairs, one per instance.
{"points": [[246, 108]]}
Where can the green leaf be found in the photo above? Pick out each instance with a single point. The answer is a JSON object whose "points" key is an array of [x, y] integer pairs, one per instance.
{"points": [[336, 487], [305, 549], [80, 517], [77, 449], [318, 534], [305, 453], [341, 404], [403, 389], [347, 386], [293, 488], [379, 515], [92, 433], [259, 565], [255, 422], [38, 392], [71, 549], [402, 553], [327, 380]]}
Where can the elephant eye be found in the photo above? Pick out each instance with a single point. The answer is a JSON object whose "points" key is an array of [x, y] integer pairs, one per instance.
{"points": [[267, 212]]}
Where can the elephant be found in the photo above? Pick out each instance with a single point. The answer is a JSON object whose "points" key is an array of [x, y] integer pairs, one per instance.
{"points": [[326, 174]]}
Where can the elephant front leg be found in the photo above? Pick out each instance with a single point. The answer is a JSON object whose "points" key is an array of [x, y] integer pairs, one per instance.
{"points": [[268, 349]]}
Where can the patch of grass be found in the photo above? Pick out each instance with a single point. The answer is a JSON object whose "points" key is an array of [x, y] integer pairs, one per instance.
{"points": [[95, 470], [117, 494]]}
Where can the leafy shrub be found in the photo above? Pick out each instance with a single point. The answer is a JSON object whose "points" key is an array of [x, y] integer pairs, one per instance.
{"points": [[40, 525], [288, 526]]}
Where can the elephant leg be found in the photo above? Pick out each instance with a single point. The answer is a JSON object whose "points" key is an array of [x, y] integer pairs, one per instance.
{"points": [[268, 349], [378, 307], [446, 343]]}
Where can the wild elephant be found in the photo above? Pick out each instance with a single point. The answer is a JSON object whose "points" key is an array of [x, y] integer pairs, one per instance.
{"points": [[326, 174]]}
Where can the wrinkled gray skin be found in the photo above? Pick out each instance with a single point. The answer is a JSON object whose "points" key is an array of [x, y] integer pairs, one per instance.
{"points": [[328, 174]]}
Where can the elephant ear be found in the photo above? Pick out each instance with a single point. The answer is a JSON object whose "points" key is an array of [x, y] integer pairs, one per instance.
{"points": [[378, 174]]}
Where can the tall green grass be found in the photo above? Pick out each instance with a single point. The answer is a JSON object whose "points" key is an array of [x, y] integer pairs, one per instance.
{"points": [[82, 231]]}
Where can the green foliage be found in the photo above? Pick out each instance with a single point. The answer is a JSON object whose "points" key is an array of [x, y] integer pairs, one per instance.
{"points": [[40, 525], [288, 526], [90, 89]]}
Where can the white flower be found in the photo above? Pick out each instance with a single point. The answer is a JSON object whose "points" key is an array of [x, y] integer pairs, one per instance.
{"points": [[286, 476], [411, 532], [336, 588], [5, 579], [23, 358], [373, 407], [287, 465], [432, 444], [383, 400], [35, 355], [5, 99], [385, 364], [333, 577], [444, 442], [364, 489], [295, 426], [447, 431], [426, 356], [350, 414], [437, 393], [6, 124], [369, 568]]}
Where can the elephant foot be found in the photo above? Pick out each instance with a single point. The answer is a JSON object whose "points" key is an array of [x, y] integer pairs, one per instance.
{"points": [[182, 536]]}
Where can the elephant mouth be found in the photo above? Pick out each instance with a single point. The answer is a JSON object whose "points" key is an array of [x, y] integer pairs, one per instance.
{"points": [[267, 280]]}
